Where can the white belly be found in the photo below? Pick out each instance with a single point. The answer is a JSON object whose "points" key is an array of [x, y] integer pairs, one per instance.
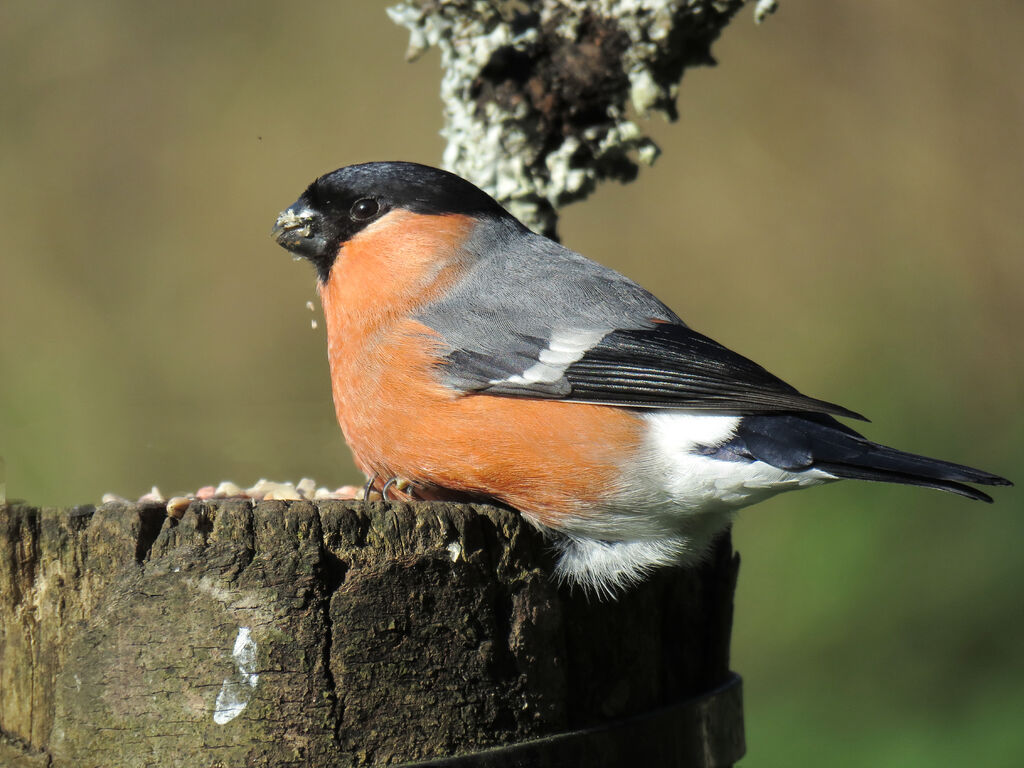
{"points": [[672, 503]]}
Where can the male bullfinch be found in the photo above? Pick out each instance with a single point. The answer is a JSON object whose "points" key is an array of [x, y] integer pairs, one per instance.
{"points": [[471, 357]]}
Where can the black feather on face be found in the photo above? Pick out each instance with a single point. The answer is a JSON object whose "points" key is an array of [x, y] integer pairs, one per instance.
{"points": [[338, 205]]}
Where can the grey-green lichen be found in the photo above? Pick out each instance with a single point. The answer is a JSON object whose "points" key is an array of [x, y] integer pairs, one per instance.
{"points": [[540, 98]]}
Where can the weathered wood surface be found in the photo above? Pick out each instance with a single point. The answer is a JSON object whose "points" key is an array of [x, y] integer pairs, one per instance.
{"points": [[302, 634]]}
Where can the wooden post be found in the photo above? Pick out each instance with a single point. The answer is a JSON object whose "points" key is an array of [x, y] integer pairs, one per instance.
{"points": [[316, 634]]}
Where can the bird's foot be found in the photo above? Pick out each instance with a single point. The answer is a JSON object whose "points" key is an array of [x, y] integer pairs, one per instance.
{"points": [[394, 489]]}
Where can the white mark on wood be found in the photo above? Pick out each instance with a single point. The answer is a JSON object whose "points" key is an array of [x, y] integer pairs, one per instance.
{"points": [[237, 690], [454, 550]]}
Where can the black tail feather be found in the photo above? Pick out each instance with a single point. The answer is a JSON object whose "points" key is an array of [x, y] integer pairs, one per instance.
{"points": [[888, 476], [798, 442]]}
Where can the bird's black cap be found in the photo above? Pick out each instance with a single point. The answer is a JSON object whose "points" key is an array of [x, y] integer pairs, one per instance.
{"points": [[336, 206]]}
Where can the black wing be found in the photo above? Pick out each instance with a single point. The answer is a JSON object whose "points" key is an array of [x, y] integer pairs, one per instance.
{"points": [[664, 366]]}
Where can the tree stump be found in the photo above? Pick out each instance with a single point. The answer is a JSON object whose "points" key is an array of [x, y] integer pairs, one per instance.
{"points": [[333, 633]]}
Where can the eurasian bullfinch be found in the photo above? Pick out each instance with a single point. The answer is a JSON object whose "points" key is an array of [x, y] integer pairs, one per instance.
{"points": [[471, 357]]}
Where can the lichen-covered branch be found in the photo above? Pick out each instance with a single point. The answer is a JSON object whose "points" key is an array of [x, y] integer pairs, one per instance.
{"points": [[540, 98]]}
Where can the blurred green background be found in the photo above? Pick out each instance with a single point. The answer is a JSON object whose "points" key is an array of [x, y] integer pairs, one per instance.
{"points": [[841, 200]]}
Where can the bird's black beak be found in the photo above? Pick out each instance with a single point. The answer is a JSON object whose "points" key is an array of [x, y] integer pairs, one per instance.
{"points": [[301, 230]]}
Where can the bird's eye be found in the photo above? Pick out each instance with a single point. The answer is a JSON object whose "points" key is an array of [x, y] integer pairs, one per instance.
{"points": [[364, 209]]}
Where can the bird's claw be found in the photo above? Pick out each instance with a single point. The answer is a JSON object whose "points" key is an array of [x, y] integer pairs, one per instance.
{"points": [[402, 485]]}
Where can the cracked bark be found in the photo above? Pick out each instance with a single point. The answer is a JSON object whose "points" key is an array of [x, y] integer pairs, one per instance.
{"points": [[380, 635]]}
